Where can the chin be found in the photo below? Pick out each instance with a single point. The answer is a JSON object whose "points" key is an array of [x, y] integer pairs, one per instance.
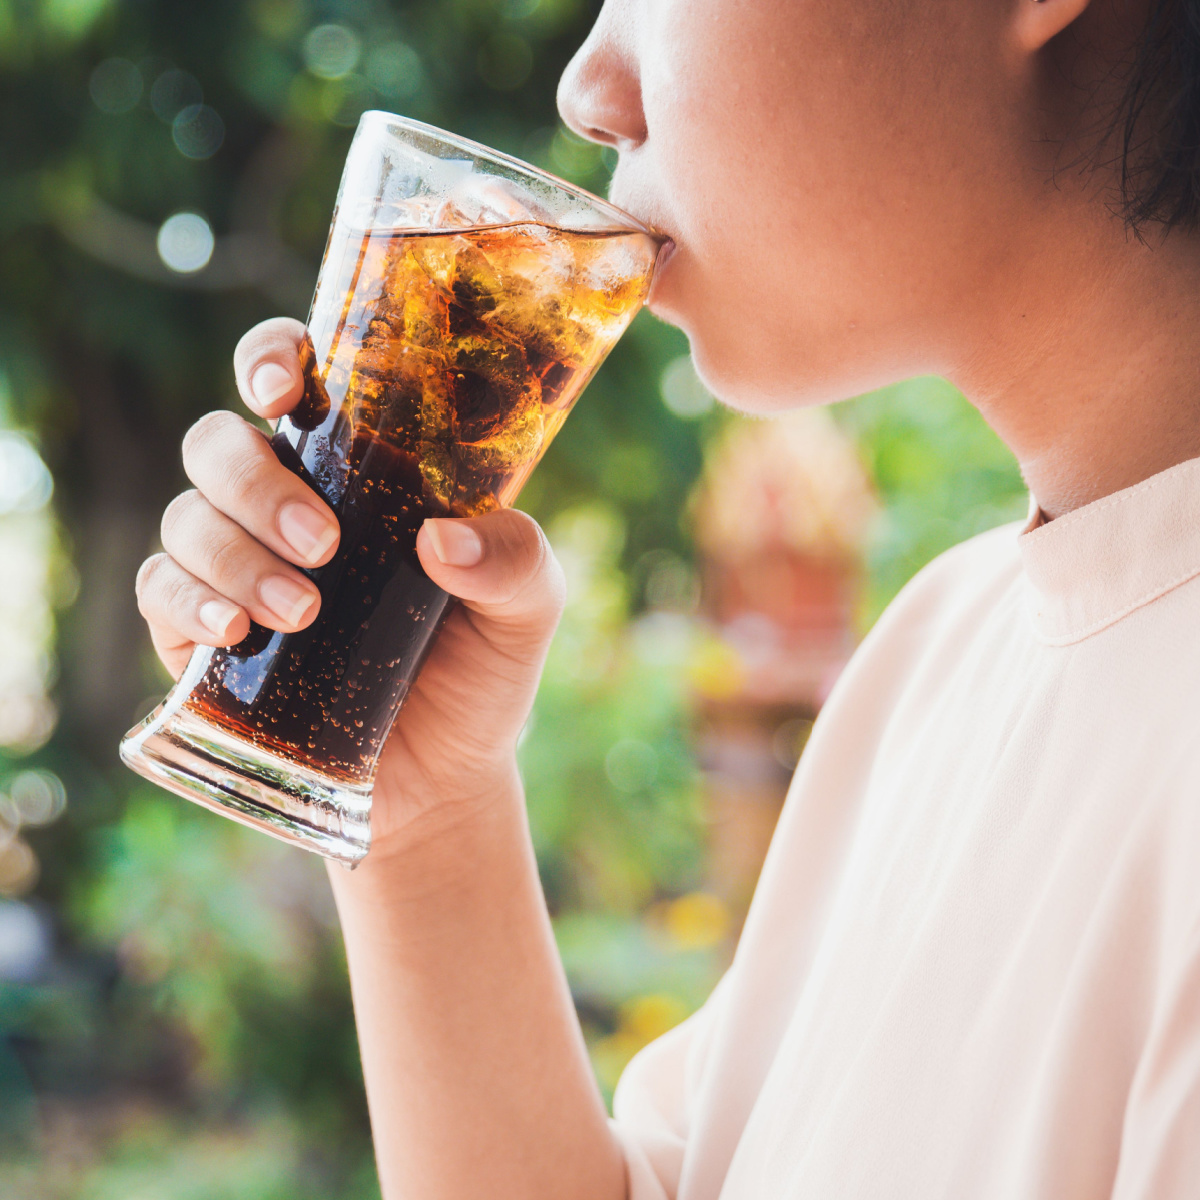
{"points": [[760, 372], [747, 365], [752, 383]]}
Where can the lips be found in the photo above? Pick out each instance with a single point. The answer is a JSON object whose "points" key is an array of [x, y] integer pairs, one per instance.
{"points": [[632, 192], [665, 253]]}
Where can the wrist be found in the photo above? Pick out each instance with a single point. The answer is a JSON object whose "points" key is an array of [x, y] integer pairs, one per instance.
{"points": [[442, 841]]}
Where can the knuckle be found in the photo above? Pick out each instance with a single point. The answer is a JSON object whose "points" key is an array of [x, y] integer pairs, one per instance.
{"points": [[226, 558], [148, 573], [207, 434], [242, 477], [174, 591], [266, 339], [227, 458], [532, 546], [158, 586], [535, 577], [179, 512]]}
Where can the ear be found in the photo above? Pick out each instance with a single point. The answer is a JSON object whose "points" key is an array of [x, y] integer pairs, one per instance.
{"points": [[1037, 21]]}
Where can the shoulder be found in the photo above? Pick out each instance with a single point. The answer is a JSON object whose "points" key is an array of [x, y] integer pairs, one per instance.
{"points": [[971, 576], [939, 612]]}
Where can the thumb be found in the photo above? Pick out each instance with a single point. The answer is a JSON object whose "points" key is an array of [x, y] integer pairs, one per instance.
{"points": [[501, 566]]}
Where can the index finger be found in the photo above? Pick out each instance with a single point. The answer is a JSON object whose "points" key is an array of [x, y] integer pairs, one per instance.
{"points": [[266, 365]]}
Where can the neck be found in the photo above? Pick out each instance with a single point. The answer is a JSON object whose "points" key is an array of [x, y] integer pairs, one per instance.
{"points": [[1087, 368]]}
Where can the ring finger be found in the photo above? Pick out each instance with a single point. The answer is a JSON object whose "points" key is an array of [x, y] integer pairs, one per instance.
{"points": [[219, 552], [183, 612]]}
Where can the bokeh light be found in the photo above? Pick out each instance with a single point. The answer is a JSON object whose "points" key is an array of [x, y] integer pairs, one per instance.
{"points": [[681, 389], [631, 765], [671, 584], [185, 242], [37, 797], [115, 86], [27, 715], [18, 868], [394, 70], [789, 739], [697, 921], [331, 51], [24, 942], [34, 798], [172, 92], [344, 100], [25, 483], [519, 10], [198, 131]]}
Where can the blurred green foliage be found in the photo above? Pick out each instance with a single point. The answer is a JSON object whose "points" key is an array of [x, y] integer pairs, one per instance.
{"points": [[191, 1034], [942, 474]]}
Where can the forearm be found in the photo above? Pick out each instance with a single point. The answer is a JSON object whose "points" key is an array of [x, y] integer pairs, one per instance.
{"points": [[476, 1072]]}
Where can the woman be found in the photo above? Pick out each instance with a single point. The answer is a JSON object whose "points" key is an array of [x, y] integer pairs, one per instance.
{"points": [[972, 968]]}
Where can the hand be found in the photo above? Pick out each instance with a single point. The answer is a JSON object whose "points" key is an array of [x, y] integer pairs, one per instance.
{"points": [[232, 547]]}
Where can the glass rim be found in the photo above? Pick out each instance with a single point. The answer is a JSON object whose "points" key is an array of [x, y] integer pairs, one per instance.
{"points": [[488, 153]]}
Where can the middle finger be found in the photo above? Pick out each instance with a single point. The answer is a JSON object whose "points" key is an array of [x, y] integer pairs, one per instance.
{"points": [[234, 466], [222, 554]]}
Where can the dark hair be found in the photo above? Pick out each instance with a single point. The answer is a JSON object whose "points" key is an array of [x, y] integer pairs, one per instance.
{"points": [[1159, 122]]}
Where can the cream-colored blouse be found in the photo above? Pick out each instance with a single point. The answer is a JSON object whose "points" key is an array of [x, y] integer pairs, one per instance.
{"points": [[972, 967]]}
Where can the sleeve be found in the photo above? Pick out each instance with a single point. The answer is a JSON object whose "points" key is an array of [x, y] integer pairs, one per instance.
{"points": [[654, 1103], [1160, 1142]]}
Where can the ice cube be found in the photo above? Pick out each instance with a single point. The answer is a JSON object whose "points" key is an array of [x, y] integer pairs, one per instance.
{"points": [[538, 303], [529, 258], [474, 281], [437, 473], [425, 315], [612, 273], [513, 442], [436, 414], [450, 215], [485, 200], [435, 256], [477, 504], [489, 379], [363, 400]]}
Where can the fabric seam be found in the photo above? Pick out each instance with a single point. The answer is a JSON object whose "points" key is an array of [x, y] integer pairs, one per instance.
{"points": [[1067, 639], [1117, 498]]}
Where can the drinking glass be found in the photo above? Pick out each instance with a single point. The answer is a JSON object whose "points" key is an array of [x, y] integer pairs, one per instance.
{"points": [[464, 301]]}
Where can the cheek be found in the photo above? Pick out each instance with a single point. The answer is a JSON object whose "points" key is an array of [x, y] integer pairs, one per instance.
{"points": [[799, 171], [712, 95]]}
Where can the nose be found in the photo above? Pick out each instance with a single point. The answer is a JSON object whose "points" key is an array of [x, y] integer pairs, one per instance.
{"points": [[600, 93]]}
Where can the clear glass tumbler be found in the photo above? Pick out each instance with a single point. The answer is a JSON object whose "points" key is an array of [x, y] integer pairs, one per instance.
{"points": [[464, 301]]}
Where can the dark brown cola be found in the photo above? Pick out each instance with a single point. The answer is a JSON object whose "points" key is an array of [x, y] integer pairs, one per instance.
{"points": [[432, 389]]}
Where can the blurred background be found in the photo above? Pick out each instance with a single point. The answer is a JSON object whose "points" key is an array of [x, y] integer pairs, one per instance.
{"points": [[174, 1015]]}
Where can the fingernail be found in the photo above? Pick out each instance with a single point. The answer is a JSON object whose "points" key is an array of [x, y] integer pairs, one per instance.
{"points": [[286, 598], [216, 616], [270, 382], [309, 532], [455, 544]]}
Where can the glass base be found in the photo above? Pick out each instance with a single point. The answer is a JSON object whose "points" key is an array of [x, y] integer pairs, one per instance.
{"points": [[194, 759]]}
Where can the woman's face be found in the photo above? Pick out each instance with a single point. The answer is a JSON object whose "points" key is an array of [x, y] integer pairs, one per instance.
{"points": [[848, 185]]}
